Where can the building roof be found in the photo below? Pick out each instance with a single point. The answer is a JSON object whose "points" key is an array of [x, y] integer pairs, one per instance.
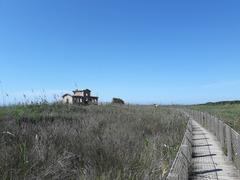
{"points": [[66, 95], [76, 95], [77, 90], [93, 97]]}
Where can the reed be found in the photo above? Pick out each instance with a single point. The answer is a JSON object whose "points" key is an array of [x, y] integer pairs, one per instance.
{"points": [[56, 141]]}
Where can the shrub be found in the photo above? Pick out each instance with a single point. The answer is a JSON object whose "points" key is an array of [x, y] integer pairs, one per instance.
{"points": [[117, 101]]}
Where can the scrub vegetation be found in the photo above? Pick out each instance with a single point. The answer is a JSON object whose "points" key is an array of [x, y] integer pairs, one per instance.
{"points": [[56, 141], [228, 111]]}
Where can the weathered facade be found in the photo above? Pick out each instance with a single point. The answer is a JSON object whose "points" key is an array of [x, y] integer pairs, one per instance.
{"points": [[67, 99], [80, 97]]}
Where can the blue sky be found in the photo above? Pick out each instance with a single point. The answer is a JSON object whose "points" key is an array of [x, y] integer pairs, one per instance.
{"points": [[144, 51]]}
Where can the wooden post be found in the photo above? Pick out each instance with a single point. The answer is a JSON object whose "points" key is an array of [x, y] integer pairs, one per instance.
{"points": [[185, 150], [198, 116], [238, 151], [221, 134], [229, 142], [210, 123], [213, 126], [204, 120], [217, 129]]}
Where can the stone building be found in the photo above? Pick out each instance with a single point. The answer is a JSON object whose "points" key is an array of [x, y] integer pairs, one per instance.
{"points": [[80, 97]]}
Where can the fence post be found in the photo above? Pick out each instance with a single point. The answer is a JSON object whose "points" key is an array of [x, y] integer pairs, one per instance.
{"points": [[207, 122], [213, 125], [229, 142], [221, 133], [238, 152], [204, 121], [199, 121], [210, 123], [217, 128], [185, 149]]}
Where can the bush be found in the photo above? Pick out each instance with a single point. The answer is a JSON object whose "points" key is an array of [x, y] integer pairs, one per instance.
{"points": [[117, 101]]}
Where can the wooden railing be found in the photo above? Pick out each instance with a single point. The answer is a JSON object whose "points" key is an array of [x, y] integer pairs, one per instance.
{"points": [[182, 162], [228, 137]]}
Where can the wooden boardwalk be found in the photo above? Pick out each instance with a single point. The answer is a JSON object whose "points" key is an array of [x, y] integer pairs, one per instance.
{"points": [[208, 159]]}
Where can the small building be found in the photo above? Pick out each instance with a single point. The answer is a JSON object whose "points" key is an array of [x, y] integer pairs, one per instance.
{"points": [[67, 99], [80, 97]]}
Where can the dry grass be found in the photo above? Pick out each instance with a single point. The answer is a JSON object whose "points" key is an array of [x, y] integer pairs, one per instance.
{"points": [[93, 142], [229, 113]]}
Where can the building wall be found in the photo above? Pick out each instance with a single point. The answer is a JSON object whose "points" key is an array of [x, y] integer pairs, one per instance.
{"points": [[68, 99], [80, 97], [78, 100], [79, 93], [84, 100], [87, 93]]}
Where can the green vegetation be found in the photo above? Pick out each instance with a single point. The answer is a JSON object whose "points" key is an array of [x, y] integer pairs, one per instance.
{"points": [[88, 142], [117, 101], [229, 112]]}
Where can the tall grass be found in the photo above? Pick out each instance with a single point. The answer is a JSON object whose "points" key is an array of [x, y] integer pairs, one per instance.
{"points": [[228, 112], [91, 142]]}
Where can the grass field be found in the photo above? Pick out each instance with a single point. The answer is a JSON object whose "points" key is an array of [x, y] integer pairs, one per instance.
{"points": [[230, 113], [88, 142]]}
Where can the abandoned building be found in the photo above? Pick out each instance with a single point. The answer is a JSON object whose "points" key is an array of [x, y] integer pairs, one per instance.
{"points": [[80, 97]]}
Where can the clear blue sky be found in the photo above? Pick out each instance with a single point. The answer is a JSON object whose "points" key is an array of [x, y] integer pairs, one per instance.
{"points": [[145, 51]]}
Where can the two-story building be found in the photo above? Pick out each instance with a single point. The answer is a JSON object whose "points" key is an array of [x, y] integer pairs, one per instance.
{"points": [[80, 97]]}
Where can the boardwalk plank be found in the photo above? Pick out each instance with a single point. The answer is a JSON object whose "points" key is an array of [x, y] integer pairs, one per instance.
{"points": [[209, 161]]}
